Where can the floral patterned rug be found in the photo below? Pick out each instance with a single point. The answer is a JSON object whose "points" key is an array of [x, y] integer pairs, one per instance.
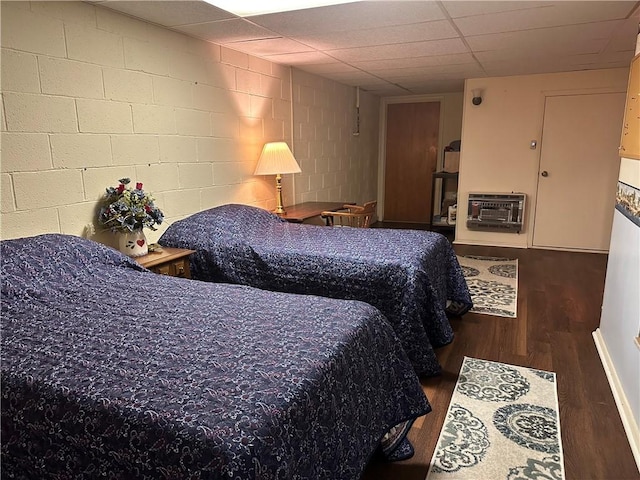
{"points": [[493, 282], [502, 423]]}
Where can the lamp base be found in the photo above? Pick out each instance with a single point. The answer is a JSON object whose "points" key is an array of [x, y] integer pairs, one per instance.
{"points": [[279, 208]]}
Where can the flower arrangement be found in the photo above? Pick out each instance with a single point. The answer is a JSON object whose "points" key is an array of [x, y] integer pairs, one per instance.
{"points": [[126, 209]]}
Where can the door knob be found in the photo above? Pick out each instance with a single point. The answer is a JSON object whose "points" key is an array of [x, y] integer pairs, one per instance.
{"points": [[544, 173]]}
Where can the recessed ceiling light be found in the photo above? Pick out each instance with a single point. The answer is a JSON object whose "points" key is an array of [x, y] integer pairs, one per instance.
{"points": [[247, 8]]}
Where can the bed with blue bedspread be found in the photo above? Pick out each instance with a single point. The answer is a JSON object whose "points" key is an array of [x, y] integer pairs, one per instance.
{"points": [[112, 371], [412, 277]]}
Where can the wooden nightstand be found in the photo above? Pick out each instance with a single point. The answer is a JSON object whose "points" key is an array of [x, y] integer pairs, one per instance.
{"points": [[170, 261]]}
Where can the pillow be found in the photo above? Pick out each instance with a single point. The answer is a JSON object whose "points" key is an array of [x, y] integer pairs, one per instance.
{"points": [[31, 262], [230, 222]]}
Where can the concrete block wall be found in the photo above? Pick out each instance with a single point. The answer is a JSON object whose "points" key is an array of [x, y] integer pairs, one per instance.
{"points": [[336, 164], [90, 96]]}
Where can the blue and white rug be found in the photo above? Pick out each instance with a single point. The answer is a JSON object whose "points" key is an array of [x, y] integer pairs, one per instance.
{"points": [[493, 284], [502, 423]]}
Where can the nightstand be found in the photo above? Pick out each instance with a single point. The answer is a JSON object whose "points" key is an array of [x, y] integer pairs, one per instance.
{"points": [[170, 261]]}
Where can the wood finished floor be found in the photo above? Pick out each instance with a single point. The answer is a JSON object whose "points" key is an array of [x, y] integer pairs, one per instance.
{"points": [[559, 305]]}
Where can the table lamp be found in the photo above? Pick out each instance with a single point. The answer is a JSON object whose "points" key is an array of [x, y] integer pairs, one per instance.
{"points": [[276, 158]]}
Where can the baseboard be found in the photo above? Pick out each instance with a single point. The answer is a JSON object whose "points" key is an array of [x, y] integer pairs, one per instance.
{"points": [[487, 244], [567, 249], [630, 426], [507, 245]]}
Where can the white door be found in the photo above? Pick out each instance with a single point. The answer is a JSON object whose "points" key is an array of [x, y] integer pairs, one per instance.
{"points": [[578, 173]]}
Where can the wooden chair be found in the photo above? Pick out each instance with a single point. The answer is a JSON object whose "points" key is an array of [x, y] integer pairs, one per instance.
{"points": [[354, 216]]}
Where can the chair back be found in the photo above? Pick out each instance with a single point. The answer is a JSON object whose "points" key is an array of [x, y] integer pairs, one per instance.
{"points": [[355, 215]]}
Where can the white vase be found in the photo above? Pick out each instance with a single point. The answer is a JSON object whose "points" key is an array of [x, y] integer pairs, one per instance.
{"points": [[133, 243]]}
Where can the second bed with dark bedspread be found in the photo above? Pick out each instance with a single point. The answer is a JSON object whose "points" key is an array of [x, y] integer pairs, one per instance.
{"points": [[412, 277]]}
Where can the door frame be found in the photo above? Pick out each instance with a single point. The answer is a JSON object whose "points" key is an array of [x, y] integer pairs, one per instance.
{"points": [[382, 137]]}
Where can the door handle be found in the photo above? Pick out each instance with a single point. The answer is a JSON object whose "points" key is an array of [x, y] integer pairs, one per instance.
{"points": [[544, 173]]}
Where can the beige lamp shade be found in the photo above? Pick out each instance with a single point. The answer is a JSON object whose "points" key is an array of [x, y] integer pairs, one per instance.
{"points": [[276, 158]]}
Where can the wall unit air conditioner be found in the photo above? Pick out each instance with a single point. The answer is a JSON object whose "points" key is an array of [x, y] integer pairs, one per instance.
{"points": [[498, 212]]}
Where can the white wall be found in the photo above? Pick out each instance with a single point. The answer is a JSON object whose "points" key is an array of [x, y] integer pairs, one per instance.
{"points": [[620, 319], [496, 136], [90, 96]]}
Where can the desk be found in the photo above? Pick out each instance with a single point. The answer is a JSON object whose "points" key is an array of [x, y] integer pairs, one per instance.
{"points": [[304, 211]]}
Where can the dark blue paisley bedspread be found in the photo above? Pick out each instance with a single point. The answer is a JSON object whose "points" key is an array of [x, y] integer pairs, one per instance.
{"points": [[412, 277], [111, 371]]}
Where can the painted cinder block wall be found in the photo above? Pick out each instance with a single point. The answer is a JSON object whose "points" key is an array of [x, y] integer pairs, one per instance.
{"points": [[337, 156], [90, 96]]}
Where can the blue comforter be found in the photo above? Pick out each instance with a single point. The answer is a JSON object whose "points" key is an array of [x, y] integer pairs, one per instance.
{"points": [[111, 371], [412, 277]]}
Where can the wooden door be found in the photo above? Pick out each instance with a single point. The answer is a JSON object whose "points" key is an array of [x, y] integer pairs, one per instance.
{"points": [[578, 173], [410, 159]]}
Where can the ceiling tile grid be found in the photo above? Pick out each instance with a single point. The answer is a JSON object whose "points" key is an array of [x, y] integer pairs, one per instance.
{"points": [[415, 47]]}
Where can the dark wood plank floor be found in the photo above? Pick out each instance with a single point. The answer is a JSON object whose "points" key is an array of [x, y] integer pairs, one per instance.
{"points": [[559, 305]]}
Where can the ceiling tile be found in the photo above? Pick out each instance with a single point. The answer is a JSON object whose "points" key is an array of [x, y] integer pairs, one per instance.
{"points": [[403, 47], [427, 87], [624, 37], [599, 58], [350, 16], [269, 46], [469, 8], [381, 36], [452, 59], [539, 54], [170, 13], [354, 78], [227, 31], [450, 71], [573, 37], [385, 89], [407, 50], [560, 13], [303, 58], [562, 63], [506, 69]]}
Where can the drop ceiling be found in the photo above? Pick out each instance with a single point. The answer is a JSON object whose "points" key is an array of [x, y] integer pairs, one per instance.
{"points": [[415, 47]]}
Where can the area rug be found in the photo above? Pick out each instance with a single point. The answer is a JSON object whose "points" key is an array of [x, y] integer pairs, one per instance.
{"points": [[493, 282], [502, 423]]}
